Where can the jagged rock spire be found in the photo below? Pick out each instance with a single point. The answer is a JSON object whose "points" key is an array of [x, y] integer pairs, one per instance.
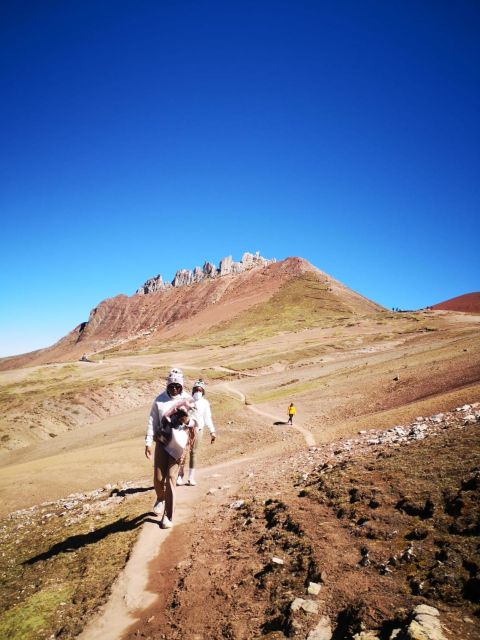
{"points": [[185, 277]]}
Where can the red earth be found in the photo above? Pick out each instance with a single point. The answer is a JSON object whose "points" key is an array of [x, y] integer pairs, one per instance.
{"points": [[469, 302]]}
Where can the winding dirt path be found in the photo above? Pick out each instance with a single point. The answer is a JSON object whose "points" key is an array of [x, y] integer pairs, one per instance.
{"points": [[308, 435]]}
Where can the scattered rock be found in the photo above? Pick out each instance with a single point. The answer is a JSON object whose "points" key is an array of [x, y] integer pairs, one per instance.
{"points": [[276, 560], [425, 609], [314, 588], [296, 605], [309, 606], [425, 625], [238, 504], [323, 630]]}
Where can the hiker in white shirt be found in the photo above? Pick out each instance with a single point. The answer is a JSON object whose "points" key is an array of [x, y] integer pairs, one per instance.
{"points": [[202, 414], [165, 466]]}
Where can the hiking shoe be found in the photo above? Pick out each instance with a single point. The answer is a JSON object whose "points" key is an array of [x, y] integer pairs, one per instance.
{"points": [[180, 481], [158, 507], [166, 523], [191, 483]]}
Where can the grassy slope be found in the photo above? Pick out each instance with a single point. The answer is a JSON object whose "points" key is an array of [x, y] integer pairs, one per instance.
{"points": [[302, 303]]}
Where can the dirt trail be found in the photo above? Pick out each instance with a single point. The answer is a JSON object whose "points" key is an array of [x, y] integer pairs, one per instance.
{"points": [[130, 594], [309, 438], [241, 373]]}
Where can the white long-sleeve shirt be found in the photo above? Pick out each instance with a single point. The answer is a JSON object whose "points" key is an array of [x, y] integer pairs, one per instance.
{"points": [[160, 406], [202, 414]]}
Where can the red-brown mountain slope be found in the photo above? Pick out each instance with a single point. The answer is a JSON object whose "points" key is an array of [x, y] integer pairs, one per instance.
{"points": [[192, 310], [470, 302]]}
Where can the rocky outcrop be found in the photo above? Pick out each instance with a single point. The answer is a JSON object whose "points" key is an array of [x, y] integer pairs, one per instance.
{"points": [[154, 284], [186, 277]]}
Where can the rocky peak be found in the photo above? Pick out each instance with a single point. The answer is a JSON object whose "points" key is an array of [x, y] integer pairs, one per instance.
{"points": [[185, 277]]}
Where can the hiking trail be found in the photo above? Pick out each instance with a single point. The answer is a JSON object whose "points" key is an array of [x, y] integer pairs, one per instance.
{"points": [[308, 436]]}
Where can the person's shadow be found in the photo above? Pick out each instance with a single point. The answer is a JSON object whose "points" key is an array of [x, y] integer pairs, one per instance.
{"points": [[279, 422], [130, 491], [73, 543]]}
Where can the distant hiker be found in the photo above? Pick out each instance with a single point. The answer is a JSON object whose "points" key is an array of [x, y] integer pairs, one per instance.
{"points": [[291, 412], [165, 464], [202, 414]]}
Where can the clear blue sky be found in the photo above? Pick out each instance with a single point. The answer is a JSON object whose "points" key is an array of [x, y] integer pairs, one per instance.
{"points": [[142, 137]]}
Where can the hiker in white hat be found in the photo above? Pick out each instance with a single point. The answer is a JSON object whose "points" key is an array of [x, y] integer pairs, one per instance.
{"points": [[202, 414], [165, 466]]}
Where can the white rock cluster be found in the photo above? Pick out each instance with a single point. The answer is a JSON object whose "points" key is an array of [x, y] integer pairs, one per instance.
{"points": [[186, 277], [423, 624], [324, 457]]}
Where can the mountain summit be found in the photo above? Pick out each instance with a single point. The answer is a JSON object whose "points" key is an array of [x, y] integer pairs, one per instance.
{"points": [[265, 298]]}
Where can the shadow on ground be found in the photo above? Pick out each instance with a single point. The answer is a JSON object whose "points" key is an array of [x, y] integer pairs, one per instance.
{"points": [[73, 543], [131, 491]]}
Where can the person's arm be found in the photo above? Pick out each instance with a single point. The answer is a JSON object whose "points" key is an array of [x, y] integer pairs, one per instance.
{"points": [[207, 416], [153, 423]]}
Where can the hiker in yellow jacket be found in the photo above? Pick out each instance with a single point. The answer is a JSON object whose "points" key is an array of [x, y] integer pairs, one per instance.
{"points": [[291, 412]]}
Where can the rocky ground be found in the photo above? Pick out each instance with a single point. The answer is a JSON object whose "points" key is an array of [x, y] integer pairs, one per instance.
{"points": [[369, 537]]}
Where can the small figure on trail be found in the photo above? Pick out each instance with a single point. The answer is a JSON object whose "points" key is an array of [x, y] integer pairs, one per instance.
{"points": [[202, 414], [169, 437], [291, 412]]}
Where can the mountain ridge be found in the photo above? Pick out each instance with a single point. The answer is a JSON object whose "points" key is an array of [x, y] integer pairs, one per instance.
{"points": [[183, 311], [186, 277]]}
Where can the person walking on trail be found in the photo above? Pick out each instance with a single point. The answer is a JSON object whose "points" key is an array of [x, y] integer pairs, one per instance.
{"points": [[202, 414], [291, 412], [165, 465]]}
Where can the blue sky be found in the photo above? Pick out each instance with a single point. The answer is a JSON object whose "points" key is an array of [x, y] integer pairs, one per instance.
{"points": [[143, 137]]}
